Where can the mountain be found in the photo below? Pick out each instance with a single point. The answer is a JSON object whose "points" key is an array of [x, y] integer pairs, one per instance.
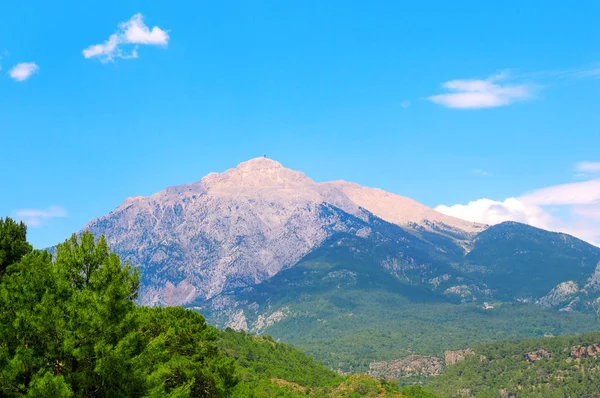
{"points": [[348, 305], [547, 367], [529, 264], [355, 276], [245, 225]]}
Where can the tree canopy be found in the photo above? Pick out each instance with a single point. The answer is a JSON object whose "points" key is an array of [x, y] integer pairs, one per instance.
{"points": [[13, 242], [70, 327]]}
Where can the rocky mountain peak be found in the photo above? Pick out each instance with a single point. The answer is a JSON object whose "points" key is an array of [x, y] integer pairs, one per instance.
{"points": [[258, 174], [242, 226], [260, 163]]}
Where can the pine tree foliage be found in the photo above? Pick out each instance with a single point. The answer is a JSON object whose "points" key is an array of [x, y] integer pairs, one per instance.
{"points": [[69, 327]]}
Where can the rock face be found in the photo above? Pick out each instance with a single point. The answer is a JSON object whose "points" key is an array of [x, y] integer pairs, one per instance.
{"points": [[559, 294], [413, 365], [240, 227], [536, 355], [569, 296], [588, 351], [452, 357], [400, 210], [593, 283]]}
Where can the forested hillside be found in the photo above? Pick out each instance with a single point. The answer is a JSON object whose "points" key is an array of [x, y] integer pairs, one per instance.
{"points": [[341, 309], [566, 366], [69, 326]]}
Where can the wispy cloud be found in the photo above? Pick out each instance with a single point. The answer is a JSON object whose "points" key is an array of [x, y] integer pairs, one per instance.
{"points": [[590, 71], [492, 92], [504, 89], [572, 208], [37, 217], [23, 71], [405, 104], [480, 172], [588, 167], [133, 32]]}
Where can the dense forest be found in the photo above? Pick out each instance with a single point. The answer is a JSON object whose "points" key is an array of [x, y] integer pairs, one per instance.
{"points": [[567, 366], [69, 326]]}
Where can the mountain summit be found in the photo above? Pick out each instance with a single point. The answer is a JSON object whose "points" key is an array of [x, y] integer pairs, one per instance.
{"points": [[257, 174], [242, 226]]}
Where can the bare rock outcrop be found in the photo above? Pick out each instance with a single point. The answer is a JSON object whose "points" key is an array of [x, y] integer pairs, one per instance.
{"points": [[588, 351], [561, 293], [238, 321], [414, 365], [452, 357], [536, 355], [593, 283], [264, 321]]}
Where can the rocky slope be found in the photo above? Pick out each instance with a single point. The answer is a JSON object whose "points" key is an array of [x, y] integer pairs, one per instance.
{"points": [[243, 226]]}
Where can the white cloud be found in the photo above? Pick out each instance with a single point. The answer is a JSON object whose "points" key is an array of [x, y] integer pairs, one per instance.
{"points": [[480, 172], [487, 211], [502, 89], [572, 208], [475, 94], [133, 32], [36, 217], [576, 193], [23, 71], [137, 32], [589, 167], [405, 104]]}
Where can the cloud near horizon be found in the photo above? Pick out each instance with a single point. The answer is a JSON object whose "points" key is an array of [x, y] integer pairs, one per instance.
{"points": [[23, 71], [37, 217], [572, 208], [133, 32], [476, 94], [588, 167]]}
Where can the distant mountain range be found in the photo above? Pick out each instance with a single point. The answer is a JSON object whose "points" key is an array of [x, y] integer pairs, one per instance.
{"points": [[264, 248]]}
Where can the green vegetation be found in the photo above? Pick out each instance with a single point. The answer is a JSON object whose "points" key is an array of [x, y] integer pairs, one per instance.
{"points": [[69, 326], [555, 367], [347, 312], [522, 261], [267, 368], [374, 335], [261, 355], [13, 243]]}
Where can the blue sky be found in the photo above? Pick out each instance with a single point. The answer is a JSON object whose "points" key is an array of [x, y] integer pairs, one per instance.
{"points": [[444, 102]]}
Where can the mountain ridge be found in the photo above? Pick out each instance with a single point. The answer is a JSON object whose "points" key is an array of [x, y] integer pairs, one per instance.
{"points": [[244, 225]]}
